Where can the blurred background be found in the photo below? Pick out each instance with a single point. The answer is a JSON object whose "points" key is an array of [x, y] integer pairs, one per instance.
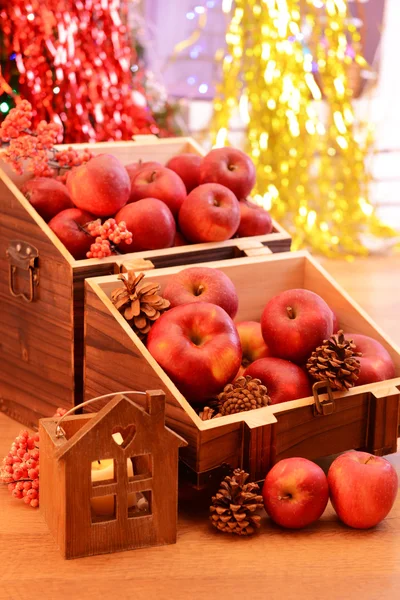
{"points": [[187, 67]]}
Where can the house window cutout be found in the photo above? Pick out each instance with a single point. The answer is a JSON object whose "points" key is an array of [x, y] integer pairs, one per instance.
{"points": [[103, 471], [143, 506], [142, 467], [103, 508]]}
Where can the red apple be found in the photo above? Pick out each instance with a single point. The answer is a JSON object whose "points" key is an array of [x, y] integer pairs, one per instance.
{"points": [[295, 493], [160, 183], [187, 166], [209, 214], [202, 284], [101, 186], [151, 223], [294, 323], [254, 220], [47, 196], [134, 168], [229, 167], [198, 346], [66, 227], [362, 488], [284, 380], [252, 342], [376, 363], [180, 240]]}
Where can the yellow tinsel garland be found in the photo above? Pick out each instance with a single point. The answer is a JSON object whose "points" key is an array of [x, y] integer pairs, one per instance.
{"points": [[311, 171]]}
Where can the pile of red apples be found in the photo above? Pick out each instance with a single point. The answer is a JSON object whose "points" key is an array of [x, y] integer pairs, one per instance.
{"points": [[192, 199], [202, 349]]}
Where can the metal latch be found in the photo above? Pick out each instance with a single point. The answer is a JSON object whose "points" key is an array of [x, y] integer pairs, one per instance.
{"points": [[24, 256], [326, 407]]}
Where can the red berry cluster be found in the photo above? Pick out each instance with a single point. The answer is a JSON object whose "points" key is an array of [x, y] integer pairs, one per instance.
{"points": [[20, 468], [107, 234], [35, 146], [18, 120], [69, 158]]}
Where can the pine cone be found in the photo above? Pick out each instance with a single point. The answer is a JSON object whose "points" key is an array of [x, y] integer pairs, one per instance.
{"points": [[140, 303], [207, 413], [335, 361], [235, 504], [243, 394]]}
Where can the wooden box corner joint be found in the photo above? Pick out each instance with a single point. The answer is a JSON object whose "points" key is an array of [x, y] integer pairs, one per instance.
{"points": [[109, 480]]}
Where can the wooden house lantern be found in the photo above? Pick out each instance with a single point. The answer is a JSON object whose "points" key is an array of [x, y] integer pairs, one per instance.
{"points": [[109, 480]]}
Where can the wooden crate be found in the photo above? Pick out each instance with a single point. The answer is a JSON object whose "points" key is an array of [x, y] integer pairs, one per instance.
{"points": [[41, 344], [366, 417]]}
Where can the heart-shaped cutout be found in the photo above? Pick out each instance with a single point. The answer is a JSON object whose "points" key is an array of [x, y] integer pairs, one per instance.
{"points": [[123, 436]]}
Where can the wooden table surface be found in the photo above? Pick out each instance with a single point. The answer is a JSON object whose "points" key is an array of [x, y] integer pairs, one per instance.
{"points": [[325, 561]]}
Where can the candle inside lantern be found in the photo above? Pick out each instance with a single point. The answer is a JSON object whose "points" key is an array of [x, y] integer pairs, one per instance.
{"points": [[103, 470]]}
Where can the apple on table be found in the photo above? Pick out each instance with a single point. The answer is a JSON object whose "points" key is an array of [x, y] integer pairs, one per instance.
{"points": [[295, 492], [362, 488]]}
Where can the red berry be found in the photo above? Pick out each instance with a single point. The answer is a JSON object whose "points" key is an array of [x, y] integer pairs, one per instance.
{"points": [[11, 486], [27, 485], [17, 493], [19, 485], [27, 500], [35, 503], [33, 473], [35, 484]]}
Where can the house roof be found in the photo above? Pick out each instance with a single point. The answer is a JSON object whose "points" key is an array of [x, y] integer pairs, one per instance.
{"points": [[106, 410]]}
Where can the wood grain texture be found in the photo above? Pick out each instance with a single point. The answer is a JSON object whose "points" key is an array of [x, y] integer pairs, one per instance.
{"points": [[66, 487], [365, 416], [326, 560]]}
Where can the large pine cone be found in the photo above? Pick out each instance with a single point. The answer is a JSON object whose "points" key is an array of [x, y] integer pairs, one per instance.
{"points": [[139, 302], [335, 362], [233, 508]]}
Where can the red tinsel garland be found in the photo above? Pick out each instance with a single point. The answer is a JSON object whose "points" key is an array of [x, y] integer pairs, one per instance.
{"points": [[74, 61]]}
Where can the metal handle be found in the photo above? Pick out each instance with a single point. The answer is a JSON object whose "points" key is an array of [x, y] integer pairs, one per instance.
{"points": [[22, 255], [60, 431], [327, 407]]}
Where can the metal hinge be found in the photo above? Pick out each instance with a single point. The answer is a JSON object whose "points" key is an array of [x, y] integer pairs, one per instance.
{"points": [[24, 256], [326, 407]]}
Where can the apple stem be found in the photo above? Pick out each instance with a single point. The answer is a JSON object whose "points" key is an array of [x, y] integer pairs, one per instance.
{"points": [[153, 176], [287, 497], [367, 461], [290, 312], [199, 290]]}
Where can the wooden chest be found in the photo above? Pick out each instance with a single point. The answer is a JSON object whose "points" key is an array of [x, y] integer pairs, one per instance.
{"points": [[366, 417], [41, 341]]}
